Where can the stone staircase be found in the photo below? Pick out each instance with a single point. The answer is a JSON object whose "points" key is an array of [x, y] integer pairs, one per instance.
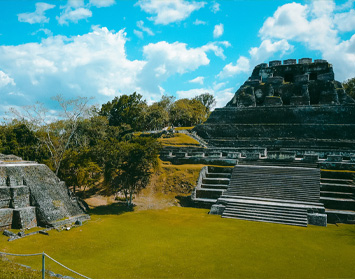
{"points": [[285, 195], [338, 195], [212, 182]]}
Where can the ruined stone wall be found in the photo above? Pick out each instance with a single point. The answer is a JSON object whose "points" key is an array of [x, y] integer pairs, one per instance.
{"points": [[31, 194]]}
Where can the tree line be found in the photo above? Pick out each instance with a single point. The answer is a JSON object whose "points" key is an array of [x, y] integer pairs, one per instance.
{"points": [[86, 146]]}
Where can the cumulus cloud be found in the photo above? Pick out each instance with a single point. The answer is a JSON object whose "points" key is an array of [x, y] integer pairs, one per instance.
{"points": [[197, 80], [102, 3], [215, 7], [5, 80], [94, 64], [169, 11], [73, 15], [38, 16], [268, 48], [318, 26], [242, 65], [218, 30]]}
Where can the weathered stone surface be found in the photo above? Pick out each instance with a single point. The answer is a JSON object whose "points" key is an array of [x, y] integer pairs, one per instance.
{"points": [[35, 193], [24, 218], [6, 218], [317, 219]]}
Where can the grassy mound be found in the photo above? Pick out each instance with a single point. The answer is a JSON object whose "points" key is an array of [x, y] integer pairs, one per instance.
{"points": [[188, 243], [178, 140]]}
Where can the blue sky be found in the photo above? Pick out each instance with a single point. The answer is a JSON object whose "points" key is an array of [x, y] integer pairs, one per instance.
{"points": [[105, 48]]}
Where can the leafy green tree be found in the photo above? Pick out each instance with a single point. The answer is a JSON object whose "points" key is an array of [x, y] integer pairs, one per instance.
{"points": [[130, 165], [349, 86], [185, 112], [156, 117], [126, 110], [207, 100]]}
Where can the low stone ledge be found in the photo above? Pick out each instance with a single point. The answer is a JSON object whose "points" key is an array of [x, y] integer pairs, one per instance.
{"points": [[317, 219]]}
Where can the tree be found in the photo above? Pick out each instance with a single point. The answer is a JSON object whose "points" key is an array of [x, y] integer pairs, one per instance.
{"points": [[207, 100], [349, 86], [56, 136], [125, 110], [130, 165], [156, 117], [185, 112]]}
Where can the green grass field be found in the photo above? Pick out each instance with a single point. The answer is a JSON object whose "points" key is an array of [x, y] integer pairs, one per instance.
{"points": [[189, 243]]}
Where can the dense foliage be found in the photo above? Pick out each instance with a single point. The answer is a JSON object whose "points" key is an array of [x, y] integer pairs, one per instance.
{"points": [[349, 86], [88, 147]]}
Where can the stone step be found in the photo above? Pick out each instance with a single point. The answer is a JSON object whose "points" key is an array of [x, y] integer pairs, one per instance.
{"points": [[267, 220], [341, 195], [206, 200], [268, 205], [224, 181], [337, 181], [269, 211], [340, 216], [214, 186], [302, 223], [209, 193], [219, 170], [218, 175], [337, 187], [338, 203]]}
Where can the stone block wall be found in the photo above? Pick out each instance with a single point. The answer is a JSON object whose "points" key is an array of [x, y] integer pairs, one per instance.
{"points": [[31, 194]]}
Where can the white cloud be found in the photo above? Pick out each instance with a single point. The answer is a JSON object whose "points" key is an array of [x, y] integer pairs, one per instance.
{"points": [[138, 33], [345, 21], [222, 96], [218, 30], [140, 25], [215, 7], [94, 64], [169, 11], [44, 30], [267, 49], [242, 66], [5, 79], [38, 16], [197, 80], [318, 26], [73, 15], [199, 22], [102, 3]]}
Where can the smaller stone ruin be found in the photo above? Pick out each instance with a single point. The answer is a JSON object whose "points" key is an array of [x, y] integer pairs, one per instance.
{"points": [[32, 195]]}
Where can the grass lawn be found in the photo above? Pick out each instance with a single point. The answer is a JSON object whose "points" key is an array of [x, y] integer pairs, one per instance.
{"points": [[178, 140], [188, 243]]}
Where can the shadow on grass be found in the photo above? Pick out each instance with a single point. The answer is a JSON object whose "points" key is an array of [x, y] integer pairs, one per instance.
{"points": [[114, 208], [186, 201]]}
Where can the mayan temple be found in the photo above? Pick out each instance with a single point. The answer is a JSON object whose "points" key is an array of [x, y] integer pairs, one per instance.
{"points": [[289, 132], [32, 195]]}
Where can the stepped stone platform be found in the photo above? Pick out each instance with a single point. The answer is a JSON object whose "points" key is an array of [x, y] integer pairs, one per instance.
{"points": [[290, 105], [31, 195], [285, 195]]}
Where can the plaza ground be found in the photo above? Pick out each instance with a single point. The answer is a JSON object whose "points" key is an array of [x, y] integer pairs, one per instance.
{"points": [[179, 242]]}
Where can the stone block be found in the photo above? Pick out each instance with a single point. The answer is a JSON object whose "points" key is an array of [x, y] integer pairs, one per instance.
{"points": [[24, 218], [6, 215], [233, 155], [302, 78], [273, 101], [352, 158], [274, 63], [334, 158], [5, 197], [290, 61], [214, 154], [326, 76], [197, 154], [217, 209], [317, 219], [305, 61], [284, 155], [299, 101], [275, 80], [20, 196], [311, 158], [2, 181], [320, 61], [180, 154], [252, 156]]}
